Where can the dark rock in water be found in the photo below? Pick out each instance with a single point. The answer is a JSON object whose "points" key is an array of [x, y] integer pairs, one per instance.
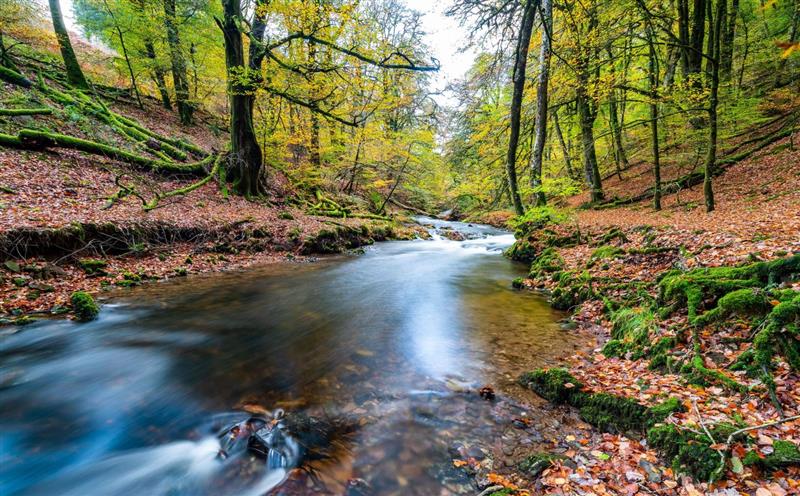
{"points": [[236, 438], [487, 393], [286, 440], [452, 235], [476, 452]]}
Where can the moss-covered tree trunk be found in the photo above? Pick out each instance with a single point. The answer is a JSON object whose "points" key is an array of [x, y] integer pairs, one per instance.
{"points": [[540, 127], [178, 59], [316, 158], [246, 154], [74, 73], [158, 75], [587, 115]]}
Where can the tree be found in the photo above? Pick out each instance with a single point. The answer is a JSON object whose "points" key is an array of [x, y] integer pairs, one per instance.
{"points": [[653, 76], [726, 52], [586, 78], [124, 53], [245, 79], [179, 79], [244, 148], [713, 123], [540, 129], [518, 81], [74, 73]]}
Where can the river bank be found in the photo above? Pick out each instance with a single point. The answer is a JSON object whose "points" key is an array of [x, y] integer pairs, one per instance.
{"points": [[698, 315], [44, 267]]}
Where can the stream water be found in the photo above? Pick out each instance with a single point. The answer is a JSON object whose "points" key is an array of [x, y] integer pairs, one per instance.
{"points": [[394, 342]]}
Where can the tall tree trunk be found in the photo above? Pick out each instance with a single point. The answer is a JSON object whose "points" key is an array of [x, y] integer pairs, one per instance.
{"points": [[74, 73], [564, 148], [587, 114], [683, 35], [698, 28], [710, 39], [673, 57], [520, 64], [158, 74], [652, 76], [540, 127], [244, 147], [586, 118], [178, 59], [726, 52], [711, 158], [316, 158], [620, 157]]}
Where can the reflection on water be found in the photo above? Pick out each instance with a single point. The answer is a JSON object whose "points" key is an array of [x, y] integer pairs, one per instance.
{"points": [[392, 338]]}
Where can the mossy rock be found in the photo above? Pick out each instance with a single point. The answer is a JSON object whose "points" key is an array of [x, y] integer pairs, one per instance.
{"points": [[699, 288], [690, 452], [743, 302], [523, 251], [547, 262], [659, 354], [555, 385], [605, 411], [518, 283], [93, 266], [664, 409], [286, 215], [534, 465], [784, 454], [84, 306], [687, 452], [614, 413], [571, 290], [614, 234]]}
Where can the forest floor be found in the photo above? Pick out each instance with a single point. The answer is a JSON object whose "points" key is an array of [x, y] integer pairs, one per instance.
{"points": [[617, 260], [60, 232]]}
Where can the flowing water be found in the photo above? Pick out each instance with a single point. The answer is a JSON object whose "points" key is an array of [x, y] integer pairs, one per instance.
{"points": [[396, 341]]}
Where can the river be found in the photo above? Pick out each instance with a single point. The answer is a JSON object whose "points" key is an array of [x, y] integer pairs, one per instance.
{"points": [[396, 341]]}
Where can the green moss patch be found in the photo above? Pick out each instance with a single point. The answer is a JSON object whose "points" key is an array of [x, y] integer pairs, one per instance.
{"points": [[84, 306], [93, 266], [605, 411], [784, 454], [546, 263], [572, 289]]}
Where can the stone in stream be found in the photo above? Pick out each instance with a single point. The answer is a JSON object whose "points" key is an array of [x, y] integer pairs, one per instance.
{"points": [[284, 441]]}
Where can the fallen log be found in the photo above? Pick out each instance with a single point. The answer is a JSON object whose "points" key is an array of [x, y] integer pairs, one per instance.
{"points": [[37, 140], [22, 111], [14, 77]]}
